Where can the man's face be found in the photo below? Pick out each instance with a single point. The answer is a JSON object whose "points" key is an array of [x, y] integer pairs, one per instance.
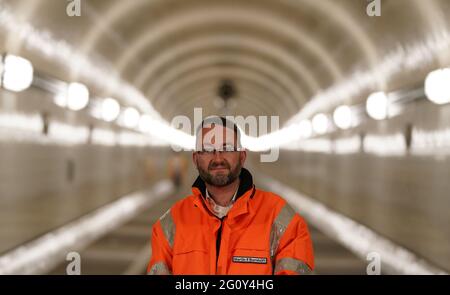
{"points": [[219, 163]]}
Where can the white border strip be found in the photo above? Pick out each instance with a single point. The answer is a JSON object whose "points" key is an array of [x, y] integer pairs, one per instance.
{"points": [[356, 237], [44, 253]]}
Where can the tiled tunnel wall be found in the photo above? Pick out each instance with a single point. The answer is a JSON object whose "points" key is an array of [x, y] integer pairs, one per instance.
{"points": [[403, 197]]}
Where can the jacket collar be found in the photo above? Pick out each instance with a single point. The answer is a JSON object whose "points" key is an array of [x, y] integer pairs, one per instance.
{"points": [[245, 184]]}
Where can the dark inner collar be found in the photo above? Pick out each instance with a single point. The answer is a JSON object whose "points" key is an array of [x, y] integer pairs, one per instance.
{"points": [[246, 183]]}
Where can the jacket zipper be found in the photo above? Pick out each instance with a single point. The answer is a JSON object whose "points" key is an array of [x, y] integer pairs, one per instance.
{"points": [[218, 241]]}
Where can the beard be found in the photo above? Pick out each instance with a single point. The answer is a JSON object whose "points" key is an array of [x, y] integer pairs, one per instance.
{"points": [[220, 179]]}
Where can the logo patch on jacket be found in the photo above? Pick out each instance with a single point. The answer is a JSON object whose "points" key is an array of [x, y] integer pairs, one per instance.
{"points": [[244, 259]]}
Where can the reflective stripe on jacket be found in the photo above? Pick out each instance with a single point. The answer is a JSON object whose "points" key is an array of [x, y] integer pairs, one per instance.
{"points": [[261, 234]]}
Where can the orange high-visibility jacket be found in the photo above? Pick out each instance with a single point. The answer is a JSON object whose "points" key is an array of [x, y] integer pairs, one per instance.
{"points": [[261, 234]]}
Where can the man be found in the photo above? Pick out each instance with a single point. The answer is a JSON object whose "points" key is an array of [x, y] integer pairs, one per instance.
{"points": [[227, 226]]}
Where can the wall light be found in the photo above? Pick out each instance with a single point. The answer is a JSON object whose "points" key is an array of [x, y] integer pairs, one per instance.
{"points": [[77, 96], [110, 109], [145, 123], [131, 117], [320, 123], [437, 86], [305, 128], [377, 105], [343, 117], [17, 74]]}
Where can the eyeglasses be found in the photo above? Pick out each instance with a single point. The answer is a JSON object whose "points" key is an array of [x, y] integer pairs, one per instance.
{"points": [[209, 150]]}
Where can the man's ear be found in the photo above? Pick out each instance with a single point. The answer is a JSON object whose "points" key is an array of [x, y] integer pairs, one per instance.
{"points": [[243, 157], [194, 159]]}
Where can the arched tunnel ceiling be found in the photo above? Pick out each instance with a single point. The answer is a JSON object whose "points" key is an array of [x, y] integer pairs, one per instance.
{"points": [[280, 54]]}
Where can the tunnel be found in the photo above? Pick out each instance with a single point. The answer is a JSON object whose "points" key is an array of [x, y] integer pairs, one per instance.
{"points": [[342, 106]]}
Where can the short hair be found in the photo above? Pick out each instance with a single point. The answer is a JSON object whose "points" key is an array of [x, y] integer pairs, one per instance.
{"points": [[222, 121]]}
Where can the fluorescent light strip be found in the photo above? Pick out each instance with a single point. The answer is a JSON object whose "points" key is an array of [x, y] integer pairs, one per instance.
{"points": [[350, 145], [430, 142], [68, 134], [127, 138], [424, 143], [21, 122], [315, 145], [385, 145], [360, 239], [19, 127], [44, 253], [103, 136], [380, 145], [27, 128]]}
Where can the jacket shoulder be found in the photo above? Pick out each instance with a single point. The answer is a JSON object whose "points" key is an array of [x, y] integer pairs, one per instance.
{"points": [[181, 205], [280, 206], [270, 197], [186, 201]]}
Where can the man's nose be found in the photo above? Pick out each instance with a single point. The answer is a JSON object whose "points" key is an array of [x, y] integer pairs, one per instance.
{"points": [[218, 156]]}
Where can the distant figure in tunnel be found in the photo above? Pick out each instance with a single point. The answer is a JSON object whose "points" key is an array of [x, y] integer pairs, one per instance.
{"points": [[227, 225], [177, 170]]}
